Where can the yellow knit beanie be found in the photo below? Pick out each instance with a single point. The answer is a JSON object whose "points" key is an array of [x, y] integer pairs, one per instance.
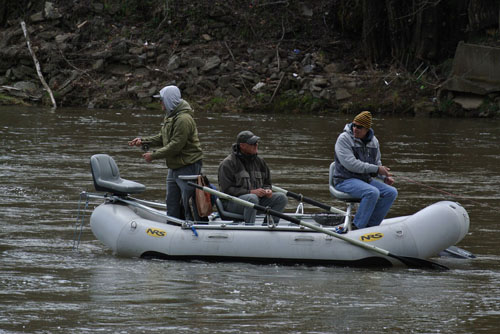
{"points": [[364, 118]]}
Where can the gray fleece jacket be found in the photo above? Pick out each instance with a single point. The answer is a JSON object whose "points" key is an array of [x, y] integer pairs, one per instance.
{"points": [[356, 158]]}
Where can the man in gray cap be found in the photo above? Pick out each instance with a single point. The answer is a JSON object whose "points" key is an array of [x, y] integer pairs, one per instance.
{"points": [[245, 175]]}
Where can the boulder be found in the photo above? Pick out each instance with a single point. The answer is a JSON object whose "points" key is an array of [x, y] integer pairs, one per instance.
{"points": [[211, 63]]}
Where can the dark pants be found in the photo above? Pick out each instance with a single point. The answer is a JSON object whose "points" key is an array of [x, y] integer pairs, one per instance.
{"points": [[179, 193], [276, 202]]}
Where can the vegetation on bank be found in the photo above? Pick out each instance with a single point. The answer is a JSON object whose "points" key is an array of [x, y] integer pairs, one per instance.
{"points": [[341, 55]]}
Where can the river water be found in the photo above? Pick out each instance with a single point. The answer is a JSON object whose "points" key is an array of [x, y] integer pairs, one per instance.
{"points": [[46, 287]]}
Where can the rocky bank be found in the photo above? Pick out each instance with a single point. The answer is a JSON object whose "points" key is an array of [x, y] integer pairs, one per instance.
{"points": [[90, 61]]}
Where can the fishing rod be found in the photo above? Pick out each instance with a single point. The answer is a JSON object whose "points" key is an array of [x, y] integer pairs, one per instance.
{"points": [[439, 190]]}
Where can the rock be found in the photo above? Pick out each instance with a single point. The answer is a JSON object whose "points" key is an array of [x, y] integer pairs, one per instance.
{"points": [[234, 91], [258, 86], [333, 68], [98, 65], [424, 109], [141, 72], [153, 91], [227, 67], [196, 62], [25, 89], [143, 94], [118, 69], [22, 72], [26, 86], [37, 17], [208, 84], [136, 50], [174, 63], [51, 12], [63, 38], [97, 7], [102, 54], [211, 63], [306, 11], [319, 81], [469, 102], [224, 81], [308, 69], [249, 76], [342, 94]]}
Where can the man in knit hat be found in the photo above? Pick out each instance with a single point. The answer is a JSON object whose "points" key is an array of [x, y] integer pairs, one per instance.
{"points": [[357, 162]]}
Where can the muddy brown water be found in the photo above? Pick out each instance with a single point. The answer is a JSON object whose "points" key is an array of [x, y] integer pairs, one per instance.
{"points": [[46, 287]]}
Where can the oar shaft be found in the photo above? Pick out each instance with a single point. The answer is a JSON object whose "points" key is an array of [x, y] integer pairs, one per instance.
{"points": [[299, 197]]}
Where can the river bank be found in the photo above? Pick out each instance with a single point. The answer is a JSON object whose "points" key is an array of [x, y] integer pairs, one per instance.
{"points": [[89, 59]]}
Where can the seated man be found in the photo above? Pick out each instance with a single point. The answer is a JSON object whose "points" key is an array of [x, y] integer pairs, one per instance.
{"points": [[357, 161], [245, 175]]}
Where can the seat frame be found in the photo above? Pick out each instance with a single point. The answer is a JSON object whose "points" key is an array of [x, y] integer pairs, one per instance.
{"points": [[227, 215], [350, 200]]}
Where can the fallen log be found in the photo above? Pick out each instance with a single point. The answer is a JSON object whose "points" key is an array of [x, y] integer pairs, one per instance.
{"points": [[37, 65]]}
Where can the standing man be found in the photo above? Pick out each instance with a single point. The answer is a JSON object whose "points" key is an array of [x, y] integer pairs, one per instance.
{"points": [[357, 162], [245, 175], [180, 147]]}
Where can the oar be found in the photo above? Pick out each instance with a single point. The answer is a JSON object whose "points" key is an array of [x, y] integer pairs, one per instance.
{"points": [[299, 197], [411, 262], [452, 250]]}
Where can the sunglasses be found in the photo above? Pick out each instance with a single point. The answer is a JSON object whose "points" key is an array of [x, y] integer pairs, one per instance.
{"points": [[357, 126]]}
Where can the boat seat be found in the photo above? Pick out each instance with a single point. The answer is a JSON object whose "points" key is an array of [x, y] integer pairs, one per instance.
{"points": [[227, 215], [350, 200], [107, 177]]}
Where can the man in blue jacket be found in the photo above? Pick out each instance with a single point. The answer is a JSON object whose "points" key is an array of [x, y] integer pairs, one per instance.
{"points": [[357, 162]]}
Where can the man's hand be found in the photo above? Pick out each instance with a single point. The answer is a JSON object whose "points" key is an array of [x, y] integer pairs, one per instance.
{"points": [[262, 192], [382, 170], [389, 180], [135, 142], [148, 156]]}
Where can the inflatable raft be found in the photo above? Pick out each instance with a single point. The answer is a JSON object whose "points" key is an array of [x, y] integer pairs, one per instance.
{"points": [[136, 228]]}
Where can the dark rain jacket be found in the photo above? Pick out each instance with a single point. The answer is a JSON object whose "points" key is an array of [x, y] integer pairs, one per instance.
{"points": [[356, 158], [177, 139], [239, 173]]}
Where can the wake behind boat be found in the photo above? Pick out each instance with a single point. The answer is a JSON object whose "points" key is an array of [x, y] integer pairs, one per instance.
{"points": [[137, 228]]}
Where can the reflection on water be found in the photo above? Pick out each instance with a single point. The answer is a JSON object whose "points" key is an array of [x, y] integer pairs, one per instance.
{"points": [[48, 288]]}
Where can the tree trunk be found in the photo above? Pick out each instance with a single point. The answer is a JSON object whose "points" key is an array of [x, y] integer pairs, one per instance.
{"points": [[376, 42], [483, 14], [419, 30]]}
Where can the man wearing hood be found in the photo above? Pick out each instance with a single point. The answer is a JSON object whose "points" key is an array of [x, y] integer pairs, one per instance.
{"points": [[245, 175], [178, 144], [357, 162]]}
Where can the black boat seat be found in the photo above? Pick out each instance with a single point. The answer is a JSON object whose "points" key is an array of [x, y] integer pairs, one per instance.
{"points": [[227, 215], [350, 200], [107, 177]]}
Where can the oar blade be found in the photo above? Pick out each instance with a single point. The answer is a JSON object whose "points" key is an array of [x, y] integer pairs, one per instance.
{"points": [[457, 252], [416, 263]]}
